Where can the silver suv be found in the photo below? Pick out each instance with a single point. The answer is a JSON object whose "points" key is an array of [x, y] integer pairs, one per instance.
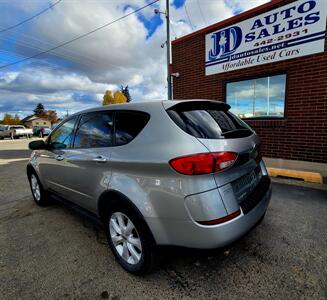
{"points": [[184, 173]]}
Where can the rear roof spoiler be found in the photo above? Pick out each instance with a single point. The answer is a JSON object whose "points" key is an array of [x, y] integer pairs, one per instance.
{"points": [[195, 104]]}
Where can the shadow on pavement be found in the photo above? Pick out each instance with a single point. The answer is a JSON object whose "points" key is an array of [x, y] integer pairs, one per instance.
{"points": [[12, 154]]}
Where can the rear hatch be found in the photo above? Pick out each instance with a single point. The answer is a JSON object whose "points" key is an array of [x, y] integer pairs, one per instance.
{"points": [[219, 130]]}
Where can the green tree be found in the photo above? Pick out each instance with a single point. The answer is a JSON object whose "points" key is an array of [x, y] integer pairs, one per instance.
{"points": [[17, 120], [39, 110], [126, 93]]}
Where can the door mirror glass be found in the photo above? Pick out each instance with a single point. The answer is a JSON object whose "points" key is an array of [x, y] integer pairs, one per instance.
{"points": [[37, 145]]}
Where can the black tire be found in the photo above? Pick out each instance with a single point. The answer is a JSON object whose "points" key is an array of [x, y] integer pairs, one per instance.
{"points": [[43, 199], [149, 254]]}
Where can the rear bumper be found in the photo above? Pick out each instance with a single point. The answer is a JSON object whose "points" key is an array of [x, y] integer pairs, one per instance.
{"points": [[193, 235]]}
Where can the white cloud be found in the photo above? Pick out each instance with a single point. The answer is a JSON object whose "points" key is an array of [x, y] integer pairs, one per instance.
{"points": [[36, 80], [212, 12], [118, 54], [243, 5]]}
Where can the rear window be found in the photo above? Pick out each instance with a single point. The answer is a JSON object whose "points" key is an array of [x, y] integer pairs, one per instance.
{"points": [[208, 120], [128, 124]]}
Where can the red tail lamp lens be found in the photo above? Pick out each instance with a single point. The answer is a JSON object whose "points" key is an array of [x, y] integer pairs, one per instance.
{"points": [[221, 220], [258, 156], [203, 163]]}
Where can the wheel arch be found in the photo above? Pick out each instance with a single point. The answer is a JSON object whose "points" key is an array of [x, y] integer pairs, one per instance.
{"points": [[111, 198], [31, 169]]}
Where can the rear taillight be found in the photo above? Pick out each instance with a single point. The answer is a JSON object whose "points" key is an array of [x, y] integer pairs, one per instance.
{"points": [[203, 163], [257, 155], [221, 220]]}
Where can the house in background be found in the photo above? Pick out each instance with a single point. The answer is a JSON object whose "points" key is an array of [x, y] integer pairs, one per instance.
{"points": [[32, 121]]}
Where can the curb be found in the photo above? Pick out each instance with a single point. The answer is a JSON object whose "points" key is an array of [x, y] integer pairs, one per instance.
{"points": [[313, 177]]}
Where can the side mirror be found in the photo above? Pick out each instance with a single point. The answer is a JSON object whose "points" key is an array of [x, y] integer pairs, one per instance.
{"points": [[37, 145]]}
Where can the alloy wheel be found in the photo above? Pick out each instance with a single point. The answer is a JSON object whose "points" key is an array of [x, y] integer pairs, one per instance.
{"points": [[125, 238], [35, 188]]}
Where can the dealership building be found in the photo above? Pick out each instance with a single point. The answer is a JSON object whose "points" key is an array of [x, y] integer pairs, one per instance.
{"points": [[270, 65]]}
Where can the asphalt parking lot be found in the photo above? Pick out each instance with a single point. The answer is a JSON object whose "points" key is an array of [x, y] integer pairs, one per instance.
{"points": [[54, 253]]}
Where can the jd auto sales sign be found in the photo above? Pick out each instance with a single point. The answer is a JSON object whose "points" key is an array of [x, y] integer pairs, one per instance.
{"points": [[291, 31]]}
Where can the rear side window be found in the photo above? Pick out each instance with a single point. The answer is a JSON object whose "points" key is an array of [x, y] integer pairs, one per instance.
{"points": [[208, 120], [128, 124], [94, 130]]}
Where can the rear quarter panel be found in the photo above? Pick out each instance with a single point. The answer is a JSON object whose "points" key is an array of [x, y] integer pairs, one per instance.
{"points": [[141, 170]]}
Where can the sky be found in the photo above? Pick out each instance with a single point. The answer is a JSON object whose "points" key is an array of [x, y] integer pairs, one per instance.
{"points": [[75, 77]]}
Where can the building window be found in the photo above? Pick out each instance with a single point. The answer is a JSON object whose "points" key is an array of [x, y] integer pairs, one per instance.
{"points": [[262, 97]]}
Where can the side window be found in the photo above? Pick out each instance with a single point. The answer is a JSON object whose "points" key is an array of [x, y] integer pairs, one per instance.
{"points": [[94, 130], [62, 136], [128, 125]]}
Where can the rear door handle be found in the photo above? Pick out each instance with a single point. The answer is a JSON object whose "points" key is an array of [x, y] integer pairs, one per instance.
{"points": [[100, 159], [59, 157]]}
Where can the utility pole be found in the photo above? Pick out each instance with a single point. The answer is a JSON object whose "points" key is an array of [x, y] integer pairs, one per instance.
{"points": [[166, 13], [168, 51]]}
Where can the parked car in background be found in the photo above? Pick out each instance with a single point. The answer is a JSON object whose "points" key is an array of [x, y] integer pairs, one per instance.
{"points": [[2, 128], [182, 173], [15, 131], [41, 131]]}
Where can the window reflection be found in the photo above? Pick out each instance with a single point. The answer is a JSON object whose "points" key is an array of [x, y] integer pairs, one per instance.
{"points": [[94, 130], [257, 98], [62, 137]]}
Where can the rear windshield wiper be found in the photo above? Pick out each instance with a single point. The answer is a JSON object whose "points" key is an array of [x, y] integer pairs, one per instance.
{"points": [[243, 130]]}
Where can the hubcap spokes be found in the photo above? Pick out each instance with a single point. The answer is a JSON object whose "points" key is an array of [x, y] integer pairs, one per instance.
{"points": [[125, 238], [35, 188]]}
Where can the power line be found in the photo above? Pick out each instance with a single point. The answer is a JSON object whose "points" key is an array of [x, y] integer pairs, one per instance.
{"points": [[201, 12], [172, 28], [188, 17], [30, 18], [76, 57], [25, 40], [26, 43], [80, 36]]}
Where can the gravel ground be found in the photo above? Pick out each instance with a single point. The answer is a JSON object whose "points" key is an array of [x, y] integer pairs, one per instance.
{"points": [[54, 253]]}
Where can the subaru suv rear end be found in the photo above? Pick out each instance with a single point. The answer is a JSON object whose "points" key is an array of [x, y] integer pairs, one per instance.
{"points": [[184, 173]]}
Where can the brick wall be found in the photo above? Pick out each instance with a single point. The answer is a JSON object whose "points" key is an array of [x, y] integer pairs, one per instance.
{"points": [[302, 135]]}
